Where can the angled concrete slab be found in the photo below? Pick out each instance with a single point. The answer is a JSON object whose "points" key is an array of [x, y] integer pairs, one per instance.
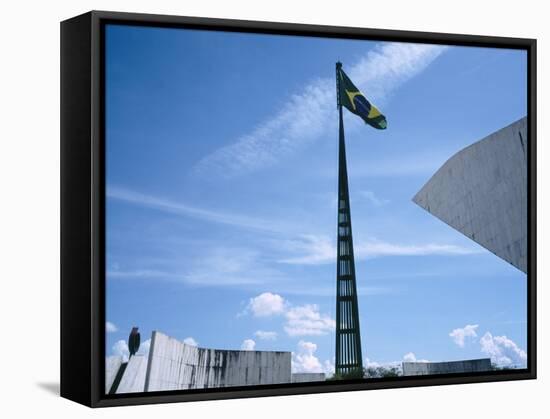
{"points": [[481, 192]]}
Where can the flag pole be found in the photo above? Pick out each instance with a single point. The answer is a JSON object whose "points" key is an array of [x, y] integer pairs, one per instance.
{"points": [[349, 360], [338, 368]]}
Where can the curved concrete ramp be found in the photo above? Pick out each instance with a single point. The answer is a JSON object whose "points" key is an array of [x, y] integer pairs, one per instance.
{"points": [[481, 191]]}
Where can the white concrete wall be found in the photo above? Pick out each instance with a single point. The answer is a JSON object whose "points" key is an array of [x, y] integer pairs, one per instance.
{"points": [[112, 365], [307, 377], [174, 365], [481, 191], [133, 380], [451, 367]]}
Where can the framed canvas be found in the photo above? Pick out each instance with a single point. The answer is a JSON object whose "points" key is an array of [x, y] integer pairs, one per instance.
{"points": [[210, 173]]}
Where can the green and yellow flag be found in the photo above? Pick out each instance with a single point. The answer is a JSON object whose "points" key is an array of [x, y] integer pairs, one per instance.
{"points": [[357, 103]]}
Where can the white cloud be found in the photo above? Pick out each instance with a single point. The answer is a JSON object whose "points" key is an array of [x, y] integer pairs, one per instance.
{"points": [[120, 348], [229, 266], [409, 357], [313, 290], [315, 249], [320, 249], [328, 368], [301, 121], [110, 327], [267, 304], [265, 335], [503, 351], [310, 113], [144, 348], [378, 248], [248, 345], [190, 341], [372, 198], [142, 274], [389, 65], [459, 335], [180, 208], [367, 363], [304, 360], [306, 320], [414, 163], [420, 162], [216, 266]]}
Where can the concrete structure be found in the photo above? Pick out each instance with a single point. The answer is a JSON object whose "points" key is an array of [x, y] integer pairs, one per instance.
{"points": [[308, 377], [174, 365], [112, 365], [481, 191], [133, 379], [451, 367]]}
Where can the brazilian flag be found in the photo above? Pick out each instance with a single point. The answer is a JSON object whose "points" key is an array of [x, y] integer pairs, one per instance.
{"points": [[357, 103]]}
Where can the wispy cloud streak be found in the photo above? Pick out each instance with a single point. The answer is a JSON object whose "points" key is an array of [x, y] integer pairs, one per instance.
{"points": [[308, 114], [317, 250], [216, 266], [178, 208], [248, 266]]}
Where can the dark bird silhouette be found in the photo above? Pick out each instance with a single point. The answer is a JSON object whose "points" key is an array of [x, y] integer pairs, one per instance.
{"points": [[133, 341]]}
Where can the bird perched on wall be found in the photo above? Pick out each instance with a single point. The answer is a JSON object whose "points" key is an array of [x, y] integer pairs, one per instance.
{"points": [[133, 341]]}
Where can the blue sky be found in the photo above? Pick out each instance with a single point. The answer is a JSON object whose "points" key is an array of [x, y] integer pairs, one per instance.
{"points": [[221, 195]]}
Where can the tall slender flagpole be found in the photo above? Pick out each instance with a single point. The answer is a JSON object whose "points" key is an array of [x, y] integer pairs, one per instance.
{"points": [[349, 359]]}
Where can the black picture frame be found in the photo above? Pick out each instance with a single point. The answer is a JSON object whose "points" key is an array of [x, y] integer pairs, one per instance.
{"points": [[83, 207]]}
